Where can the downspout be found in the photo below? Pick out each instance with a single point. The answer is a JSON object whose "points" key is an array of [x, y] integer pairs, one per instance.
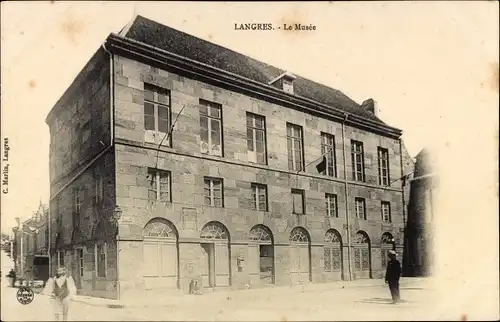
{"points": [[346, 199], [404, 260], [111, 144]]}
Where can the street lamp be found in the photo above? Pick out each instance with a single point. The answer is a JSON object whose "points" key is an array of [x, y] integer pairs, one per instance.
{"points": [[115, 217]]}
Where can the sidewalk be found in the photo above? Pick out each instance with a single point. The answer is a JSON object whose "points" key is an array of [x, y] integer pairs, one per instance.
{"points": [[160, 299]]}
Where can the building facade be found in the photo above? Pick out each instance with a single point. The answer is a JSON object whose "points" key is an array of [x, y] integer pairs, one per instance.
{"points": [[267, 178], [30, 239], [420, 229]]}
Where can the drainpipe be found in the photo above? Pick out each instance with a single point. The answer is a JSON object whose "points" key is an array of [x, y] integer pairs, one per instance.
{"points": [[404, 260], [346, 200], [111, 143]]}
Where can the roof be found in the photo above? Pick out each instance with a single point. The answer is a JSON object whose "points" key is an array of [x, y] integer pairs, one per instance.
{"points": [[179, 43]]}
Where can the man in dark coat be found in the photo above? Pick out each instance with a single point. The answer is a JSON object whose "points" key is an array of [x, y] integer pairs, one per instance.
{"points": [[392, 276]]}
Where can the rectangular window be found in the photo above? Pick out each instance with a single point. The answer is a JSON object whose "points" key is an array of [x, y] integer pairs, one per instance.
{"points": [[383, 166], [211, 128], [213, 192], [256, 138], [331, 205], [360, 208], [77, 201], [328, 150], [358, 163], [159, 185], [295, 147], [77, 206], [259, 196], [298, 201], [156, 109], [386, 211], [101, 253], [98, 188], [80, 261], [86, 130]]}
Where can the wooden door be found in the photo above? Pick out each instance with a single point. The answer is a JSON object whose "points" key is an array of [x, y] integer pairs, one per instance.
{"points": [[221, 264], [253, 264], [206, 267], [160, 264], [294, 264], [168, 265], [304, 264]]}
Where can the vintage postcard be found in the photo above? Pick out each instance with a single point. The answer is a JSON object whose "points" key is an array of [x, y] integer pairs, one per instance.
{"points": [[249, 161]]}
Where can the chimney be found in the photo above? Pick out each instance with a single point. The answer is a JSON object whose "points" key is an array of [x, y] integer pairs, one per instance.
{"points": [[284, 82], [371, 106]]}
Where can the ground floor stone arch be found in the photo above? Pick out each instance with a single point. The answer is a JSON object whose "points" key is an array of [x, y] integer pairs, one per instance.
{"points": [[300, 256], [260, 264], [160, 255], [386, 245], [215, 249], [332, 255], [362, 255]]}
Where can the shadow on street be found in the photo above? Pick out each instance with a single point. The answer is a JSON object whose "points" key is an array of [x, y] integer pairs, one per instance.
{"points": [[379, 300]]}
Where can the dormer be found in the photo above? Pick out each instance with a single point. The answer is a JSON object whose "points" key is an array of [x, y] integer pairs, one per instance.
{"points": [[284, 82]]}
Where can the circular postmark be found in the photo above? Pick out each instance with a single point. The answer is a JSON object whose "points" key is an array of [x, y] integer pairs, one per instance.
{"points": [[25, 295]]}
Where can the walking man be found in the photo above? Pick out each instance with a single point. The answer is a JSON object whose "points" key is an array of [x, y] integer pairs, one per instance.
{"points": [[392, 276], [62, 289]]}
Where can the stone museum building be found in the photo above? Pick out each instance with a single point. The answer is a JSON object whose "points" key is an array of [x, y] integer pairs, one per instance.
{"points": [[174, 160]]}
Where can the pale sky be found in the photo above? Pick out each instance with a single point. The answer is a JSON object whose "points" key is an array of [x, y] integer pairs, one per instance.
{"points": [[431, 67]]}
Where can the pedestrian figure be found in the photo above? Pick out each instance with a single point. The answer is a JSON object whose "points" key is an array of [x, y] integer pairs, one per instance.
{"points": [[62, 289], [392, 276]]}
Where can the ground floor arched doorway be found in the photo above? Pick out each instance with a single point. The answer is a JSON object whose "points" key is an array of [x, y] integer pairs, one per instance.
{"points": [[362, 256], [160, 255], [386, 245], [333, 255], [215, 265], [300, 256], [261, 255]]}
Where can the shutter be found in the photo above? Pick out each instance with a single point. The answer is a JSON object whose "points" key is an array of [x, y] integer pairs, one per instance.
{"points": [[168, 260], [151, 261], [304, 263], [365, 259], [327, 259], [221, 265], [253, 264], [357, 259]]}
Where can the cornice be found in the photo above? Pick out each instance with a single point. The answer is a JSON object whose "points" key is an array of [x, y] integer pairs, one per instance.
{"points": [[136, 50]]}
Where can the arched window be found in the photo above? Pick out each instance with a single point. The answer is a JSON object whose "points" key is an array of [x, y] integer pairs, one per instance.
{"points": [[159, 228], [260, 233], [362, 251], [385, 247], [387, 238], [299, 235], [361, 238], [214, 230], [333, 251]]}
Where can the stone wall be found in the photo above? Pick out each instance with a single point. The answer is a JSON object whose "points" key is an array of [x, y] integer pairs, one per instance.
{"points": [[188, 168], [80, 132]]}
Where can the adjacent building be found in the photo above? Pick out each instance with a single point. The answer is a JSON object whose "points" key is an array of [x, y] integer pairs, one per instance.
{"points": [[31, 239], [265, 178], [420, 229]]}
